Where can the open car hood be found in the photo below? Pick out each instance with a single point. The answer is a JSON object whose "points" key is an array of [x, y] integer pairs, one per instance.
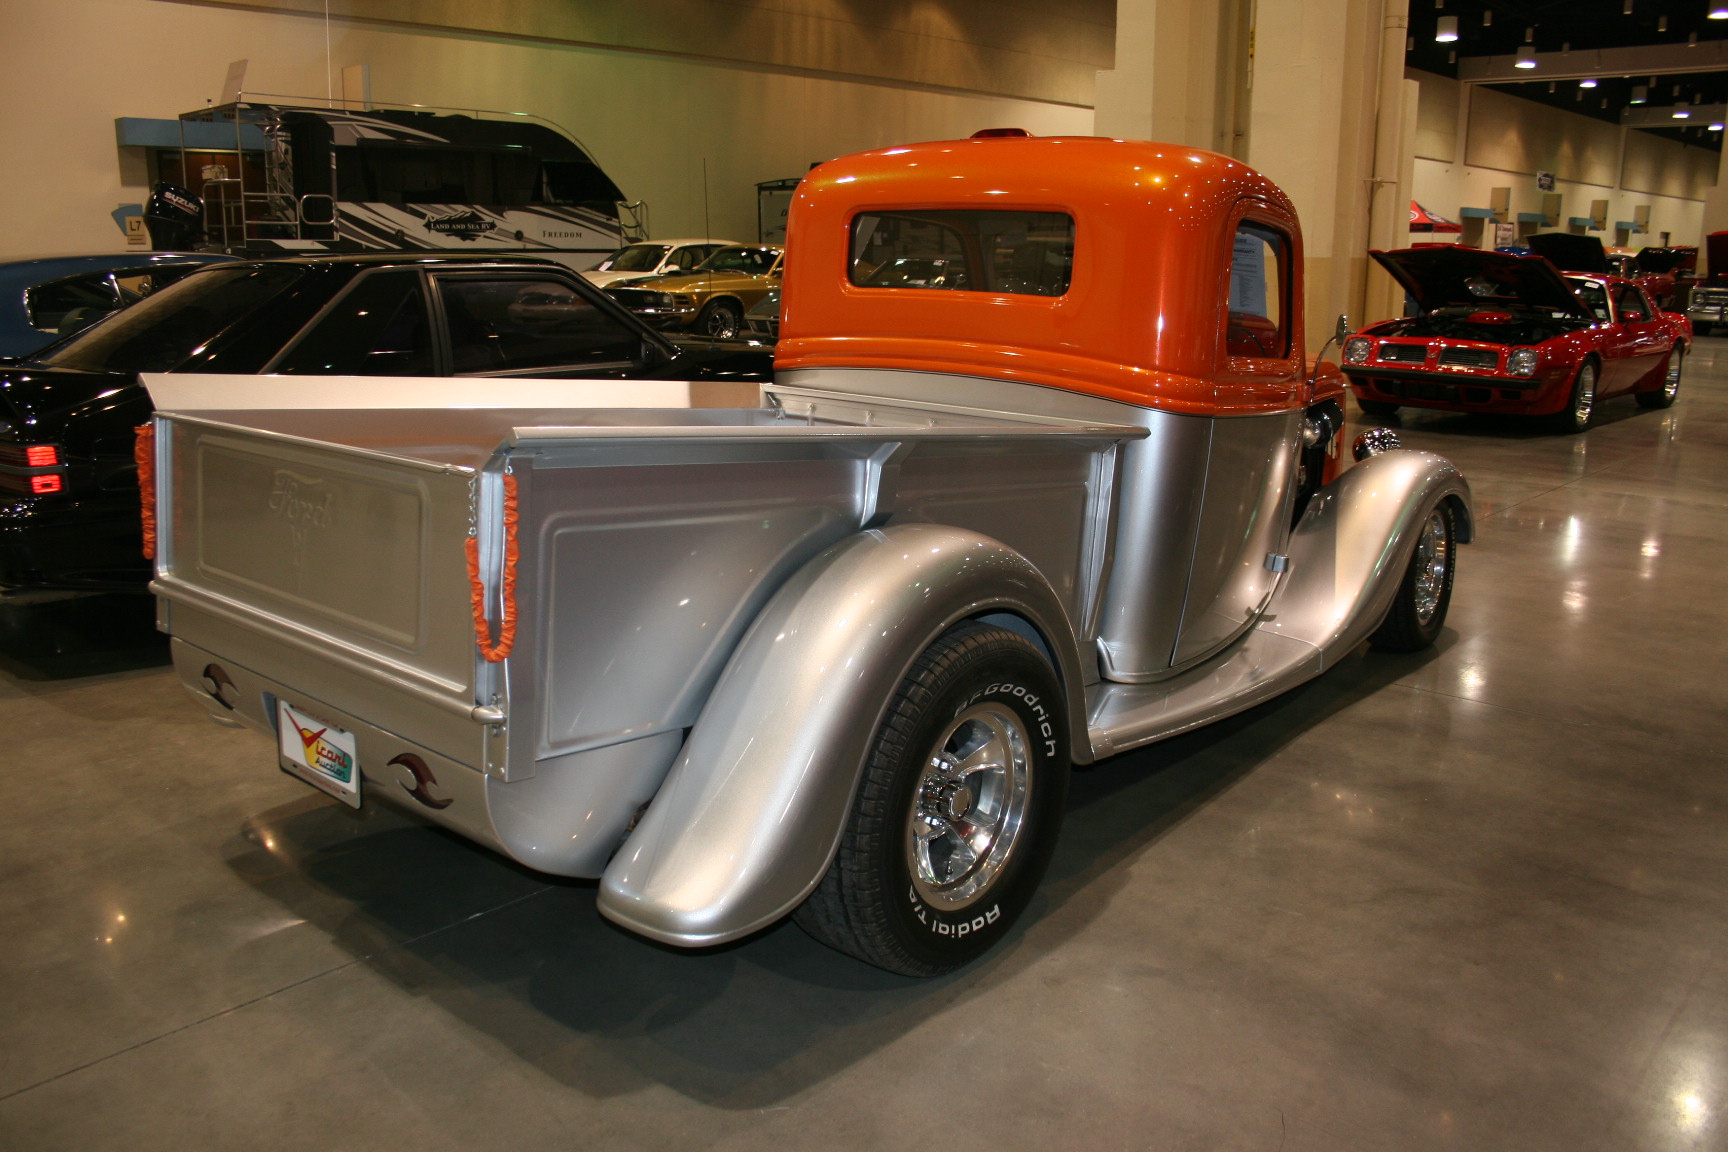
{"points": [[1658, 261], [1571, 253], [1442, 277]]}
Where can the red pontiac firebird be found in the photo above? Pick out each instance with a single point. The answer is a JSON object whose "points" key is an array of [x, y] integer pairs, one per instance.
{"points": [[1493, 332]]}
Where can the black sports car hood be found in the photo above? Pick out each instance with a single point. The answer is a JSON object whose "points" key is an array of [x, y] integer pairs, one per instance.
{"points": [[1443, 277], [1658, 261]]}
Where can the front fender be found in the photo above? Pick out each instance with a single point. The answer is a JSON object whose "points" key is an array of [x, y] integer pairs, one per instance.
{"points": [[753, 810], [1352, 545]]}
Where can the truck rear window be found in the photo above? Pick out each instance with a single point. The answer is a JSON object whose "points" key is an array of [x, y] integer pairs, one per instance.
{"points": [[965, 250]]}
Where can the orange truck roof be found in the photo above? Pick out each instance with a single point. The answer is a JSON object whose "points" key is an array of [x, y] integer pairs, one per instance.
{"points": [[1143, 317]]}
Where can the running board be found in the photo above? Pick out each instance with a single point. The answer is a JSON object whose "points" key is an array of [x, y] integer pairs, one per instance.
{"points": [[1257, 667], [1347, 557]]}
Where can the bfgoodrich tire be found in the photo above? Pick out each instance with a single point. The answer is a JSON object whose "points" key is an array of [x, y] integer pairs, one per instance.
{"points": [[1419, 610], [958, 810]]}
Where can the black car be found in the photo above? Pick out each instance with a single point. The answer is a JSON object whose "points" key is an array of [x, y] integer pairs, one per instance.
{"points": [[69, 515]]}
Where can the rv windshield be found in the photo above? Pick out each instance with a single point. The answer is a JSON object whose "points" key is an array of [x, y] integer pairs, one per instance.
{"points": [[159, 332]]}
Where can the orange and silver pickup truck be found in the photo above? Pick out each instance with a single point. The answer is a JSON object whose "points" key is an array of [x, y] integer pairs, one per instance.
{"points": [[1045, 474]]}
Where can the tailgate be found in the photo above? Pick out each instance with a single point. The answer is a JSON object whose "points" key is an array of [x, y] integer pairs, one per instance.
{"points": [[321, 552]]}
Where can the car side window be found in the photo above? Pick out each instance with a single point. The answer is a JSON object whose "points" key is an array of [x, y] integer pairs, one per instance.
{"points": [[1256, 321], [1629, 303], [510, 325], [377, 328], [65, 306], [686, 257], [1594, 298]]}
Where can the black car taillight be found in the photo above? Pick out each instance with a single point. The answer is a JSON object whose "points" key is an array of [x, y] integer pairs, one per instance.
{"points": [[32, 469]]}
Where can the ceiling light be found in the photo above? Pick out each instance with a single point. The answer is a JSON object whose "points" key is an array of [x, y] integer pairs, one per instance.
{"points": [[1551, 85], [1628, 9], [1446, 30], [1719, 11], [1691, 39], [1681, 111], [1587, 82], [1487, 17], [1715, 127], [1452, 57], [1661, 23], [1409, 43], [1526, 57], [1578, 95], [1639, 94]]}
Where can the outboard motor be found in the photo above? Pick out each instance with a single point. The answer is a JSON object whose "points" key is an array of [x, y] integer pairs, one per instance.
{"points": [[175, 218]]}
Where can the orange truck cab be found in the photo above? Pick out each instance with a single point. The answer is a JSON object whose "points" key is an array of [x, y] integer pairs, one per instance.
{"points": [[1172, 275]]}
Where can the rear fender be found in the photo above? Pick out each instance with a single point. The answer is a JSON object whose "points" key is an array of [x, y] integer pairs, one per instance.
{"points": [[753, 810]]}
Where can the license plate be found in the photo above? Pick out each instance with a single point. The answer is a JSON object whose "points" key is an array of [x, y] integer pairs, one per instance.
{"points": [[319, 753]]}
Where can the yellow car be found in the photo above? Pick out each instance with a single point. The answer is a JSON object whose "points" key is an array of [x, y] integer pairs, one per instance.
{"points": [[711, 298]]}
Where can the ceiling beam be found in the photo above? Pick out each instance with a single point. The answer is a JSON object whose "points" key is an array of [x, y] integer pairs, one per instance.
{"points": [[1647, 60], [1662, 116]]}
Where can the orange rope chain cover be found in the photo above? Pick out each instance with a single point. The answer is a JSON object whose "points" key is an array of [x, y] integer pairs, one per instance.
{"points": [[477, 588], [144, 455]]}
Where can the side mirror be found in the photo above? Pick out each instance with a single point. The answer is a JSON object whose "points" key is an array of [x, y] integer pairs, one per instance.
{"points": [[1342, 332]]}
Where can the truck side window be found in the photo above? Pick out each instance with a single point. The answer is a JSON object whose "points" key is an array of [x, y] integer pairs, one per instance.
{"points": [[515, 324], [377, 328], [1255, 322], [1024, 253]]}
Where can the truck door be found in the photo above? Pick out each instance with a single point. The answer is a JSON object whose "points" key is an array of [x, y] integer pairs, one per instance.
{"points": [[1250, 469]]}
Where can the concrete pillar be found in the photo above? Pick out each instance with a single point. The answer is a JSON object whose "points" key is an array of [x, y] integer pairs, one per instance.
{"points": [[1318, 99], [1181, 75], [1715, 213]]}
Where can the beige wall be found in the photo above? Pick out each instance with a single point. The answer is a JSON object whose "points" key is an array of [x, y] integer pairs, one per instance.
{"points": [[1516, 135], [649, 119], [1024, 48], [1510, 140]]}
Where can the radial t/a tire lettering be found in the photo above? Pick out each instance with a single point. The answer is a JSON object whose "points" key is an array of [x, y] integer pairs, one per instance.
{"points": [[958, 810], [1418, 612]]}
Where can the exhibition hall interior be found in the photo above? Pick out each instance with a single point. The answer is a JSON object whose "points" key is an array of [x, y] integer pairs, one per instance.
{"points": [[864, 574]]}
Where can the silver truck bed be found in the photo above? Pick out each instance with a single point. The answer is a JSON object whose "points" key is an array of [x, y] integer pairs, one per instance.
{"points": [[318, 556]]}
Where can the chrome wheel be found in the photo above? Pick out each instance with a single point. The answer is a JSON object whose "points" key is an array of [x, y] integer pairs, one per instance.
{"points": [[1433, 562], [1671, 382], [1584, 397], [968, 810], [720, 321]]}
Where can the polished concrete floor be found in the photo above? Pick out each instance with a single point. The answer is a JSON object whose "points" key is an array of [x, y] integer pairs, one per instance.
{"points": [[1471, 899]]}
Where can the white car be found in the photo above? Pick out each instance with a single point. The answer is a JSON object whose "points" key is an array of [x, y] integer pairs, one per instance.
{"points": [[653, 258]]}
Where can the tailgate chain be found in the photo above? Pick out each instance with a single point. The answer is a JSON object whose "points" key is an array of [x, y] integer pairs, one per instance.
{"points": [[494, 653]]}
